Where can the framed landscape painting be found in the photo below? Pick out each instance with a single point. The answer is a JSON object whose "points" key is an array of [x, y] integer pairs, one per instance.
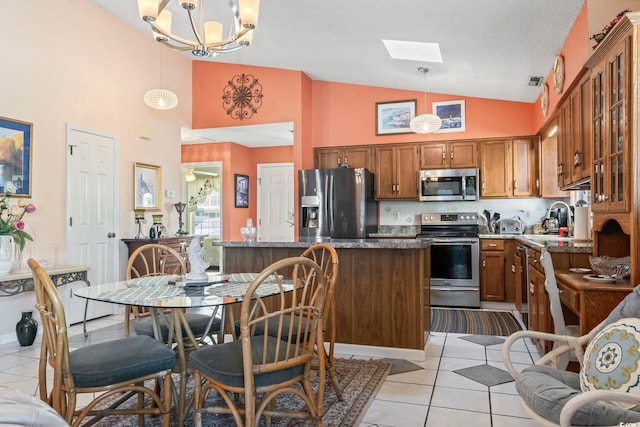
{"points": [[452, 115], [394, 117], [15, 155]]}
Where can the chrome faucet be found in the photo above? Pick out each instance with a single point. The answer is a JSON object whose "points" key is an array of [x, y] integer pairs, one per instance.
{"points": [[569, 220]]}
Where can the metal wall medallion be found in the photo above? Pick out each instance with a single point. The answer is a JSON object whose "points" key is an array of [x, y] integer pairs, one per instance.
{"points": [[242, 96]]}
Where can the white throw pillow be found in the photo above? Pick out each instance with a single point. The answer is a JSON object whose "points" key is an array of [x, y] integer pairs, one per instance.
{"points": [[612, 360]]}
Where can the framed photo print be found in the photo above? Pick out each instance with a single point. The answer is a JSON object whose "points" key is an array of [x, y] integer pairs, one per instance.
{"points": [[241, 191], [452, 115], [147, 187], [15, 156], [394, 117]]}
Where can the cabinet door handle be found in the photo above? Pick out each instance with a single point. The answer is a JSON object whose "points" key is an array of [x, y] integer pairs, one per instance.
{"points": [[532, 288], [484, 264], [398, 188], [493, 245], [338, 161], [515, 184], [444, 155], [452, 155], [483, 186], [537, 183], [346, 161]]}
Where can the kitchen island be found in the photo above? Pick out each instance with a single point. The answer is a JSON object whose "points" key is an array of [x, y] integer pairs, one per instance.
{"points": [[379, 292]]}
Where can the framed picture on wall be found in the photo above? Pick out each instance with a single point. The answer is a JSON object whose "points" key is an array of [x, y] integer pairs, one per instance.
{"points": [[15, 156], [452, 115], [147, 187], [241, 191], [394, 117]]}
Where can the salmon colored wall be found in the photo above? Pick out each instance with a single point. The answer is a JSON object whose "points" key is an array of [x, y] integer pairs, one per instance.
{"points": [[575, 52], [236, 159], [345, 114]]}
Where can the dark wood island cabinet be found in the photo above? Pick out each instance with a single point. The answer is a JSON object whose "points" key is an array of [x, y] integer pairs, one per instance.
{"points": [[379, 292]]}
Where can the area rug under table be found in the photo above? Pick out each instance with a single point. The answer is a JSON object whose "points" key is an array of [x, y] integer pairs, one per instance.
{"points": [[473, 322], [360, 381]]}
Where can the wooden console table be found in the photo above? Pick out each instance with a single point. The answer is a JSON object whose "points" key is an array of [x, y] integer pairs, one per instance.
{"points": [[590, 302], [22, 281]]}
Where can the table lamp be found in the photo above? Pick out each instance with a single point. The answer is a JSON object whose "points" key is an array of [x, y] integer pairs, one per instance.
{"points": [[180, 206], [139, 217]]}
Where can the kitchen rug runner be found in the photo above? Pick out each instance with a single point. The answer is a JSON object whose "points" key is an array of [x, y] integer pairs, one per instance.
{"points": [[473, 322], [360, 381]]}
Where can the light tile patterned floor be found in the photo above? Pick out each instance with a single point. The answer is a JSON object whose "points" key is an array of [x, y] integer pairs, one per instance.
{"points": [[432, 397]]}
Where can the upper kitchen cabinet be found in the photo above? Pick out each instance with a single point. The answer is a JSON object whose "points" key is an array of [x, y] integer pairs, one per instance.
{"points": [[574, 136], [548, 166], [508, 168], [445, 155], [396, 172], [610, 87], [335, 157]]}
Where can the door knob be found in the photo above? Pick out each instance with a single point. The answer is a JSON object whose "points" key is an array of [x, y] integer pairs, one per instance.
{"points": [[111, 235]]}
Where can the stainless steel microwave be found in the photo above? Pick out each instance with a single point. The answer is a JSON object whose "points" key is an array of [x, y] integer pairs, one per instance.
{"points": [[441, 185]]}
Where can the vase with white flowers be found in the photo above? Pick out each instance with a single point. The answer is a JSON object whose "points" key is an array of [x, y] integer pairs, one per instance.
{"points": [[12, 232]]}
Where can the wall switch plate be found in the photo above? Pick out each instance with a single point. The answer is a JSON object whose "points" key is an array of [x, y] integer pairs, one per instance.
{"points": [[171, 193], [396, 215]]}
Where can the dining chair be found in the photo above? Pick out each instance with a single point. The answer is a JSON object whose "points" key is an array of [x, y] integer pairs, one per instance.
{"points": [[326, 257], [555, 307], [114, 370], [154, 259], [267, 365]]}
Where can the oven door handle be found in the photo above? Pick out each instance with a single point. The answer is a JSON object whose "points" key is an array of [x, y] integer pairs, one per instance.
{"points": [[455, 289], [454, 240]]}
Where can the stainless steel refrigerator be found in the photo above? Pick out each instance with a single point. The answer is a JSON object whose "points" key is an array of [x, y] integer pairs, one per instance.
{"points": [[336, 203]]}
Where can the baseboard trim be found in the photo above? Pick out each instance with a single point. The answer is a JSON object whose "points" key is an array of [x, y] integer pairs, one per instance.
{"points": [[379, 352]]}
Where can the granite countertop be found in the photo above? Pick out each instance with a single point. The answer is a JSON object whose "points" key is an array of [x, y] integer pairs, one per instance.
{"points": [[336, 243], [553, 243]]}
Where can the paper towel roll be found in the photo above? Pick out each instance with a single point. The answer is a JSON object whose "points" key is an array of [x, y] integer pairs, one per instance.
{"points": [[581, 223]]}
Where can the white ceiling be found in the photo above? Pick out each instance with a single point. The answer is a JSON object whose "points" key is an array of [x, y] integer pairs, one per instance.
{"points": [[489, 48]]}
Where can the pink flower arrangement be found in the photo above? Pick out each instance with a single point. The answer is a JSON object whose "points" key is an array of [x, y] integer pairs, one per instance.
{"points": [[11, 223]]}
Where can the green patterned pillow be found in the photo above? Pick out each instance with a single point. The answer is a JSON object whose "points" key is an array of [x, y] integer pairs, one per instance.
{"points": [[612, 360]]}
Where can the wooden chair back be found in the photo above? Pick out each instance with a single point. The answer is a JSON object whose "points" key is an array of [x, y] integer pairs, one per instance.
{"points": [[152, 259], [296, 317], [55, 343], [326, 257]]}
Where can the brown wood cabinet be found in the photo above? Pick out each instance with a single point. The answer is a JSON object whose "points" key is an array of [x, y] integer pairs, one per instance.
{"points": [[492, 270], [548, 167], [610, 88], [508, 168], [445, 155], [396, 172], [353, 157], [574, 136]]}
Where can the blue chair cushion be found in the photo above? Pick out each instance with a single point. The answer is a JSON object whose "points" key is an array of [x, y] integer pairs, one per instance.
{"points": [[546, 390], [197, 323], [223, 363], [119, 360]]}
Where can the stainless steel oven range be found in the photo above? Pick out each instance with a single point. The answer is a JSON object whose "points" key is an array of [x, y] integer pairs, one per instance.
{"points": [[454, 258]]}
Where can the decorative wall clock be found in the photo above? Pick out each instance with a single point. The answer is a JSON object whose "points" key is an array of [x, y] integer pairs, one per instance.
{"points": [[558, 74], [544, 99], [242, 96]]}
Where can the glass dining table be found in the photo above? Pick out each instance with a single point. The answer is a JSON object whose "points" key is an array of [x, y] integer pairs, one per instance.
{"points": [[171, 296]]}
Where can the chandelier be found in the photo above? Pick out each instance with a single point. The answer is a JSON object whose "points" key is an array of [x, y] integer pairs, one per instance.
{"points": [[425, 123], [208, 39]]}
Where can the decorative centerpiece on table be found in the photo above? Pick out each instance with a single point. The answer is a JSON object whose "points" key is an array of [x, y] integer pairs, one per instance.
{"points": [[12, 227], [607, 29]]}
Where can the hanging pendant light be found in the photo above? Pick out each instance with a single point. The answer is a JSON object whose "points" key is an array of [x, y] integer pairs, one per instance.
{"points": [[160, 98], [425, 123]]}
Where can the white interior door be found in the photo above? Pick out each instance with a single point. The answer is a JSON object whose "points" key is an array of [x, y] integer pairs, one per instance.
{"points": [[275, 202], [92, 202]]}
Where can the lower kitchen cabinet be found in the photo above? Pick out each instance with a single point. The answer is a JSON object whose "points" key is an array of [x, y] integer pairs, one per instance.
{"points": [[539, 314], [492, 270]]}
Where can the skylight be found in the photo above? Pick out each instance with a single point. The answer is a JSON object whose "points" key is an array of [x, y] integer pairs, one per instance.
{"points": [[413, 51]]}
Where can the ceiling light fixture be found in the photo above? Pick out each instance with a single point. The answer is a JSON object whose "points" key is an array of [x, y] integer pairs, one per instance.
{"points": [[160, 98], [208, 34], [425, 123]]}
